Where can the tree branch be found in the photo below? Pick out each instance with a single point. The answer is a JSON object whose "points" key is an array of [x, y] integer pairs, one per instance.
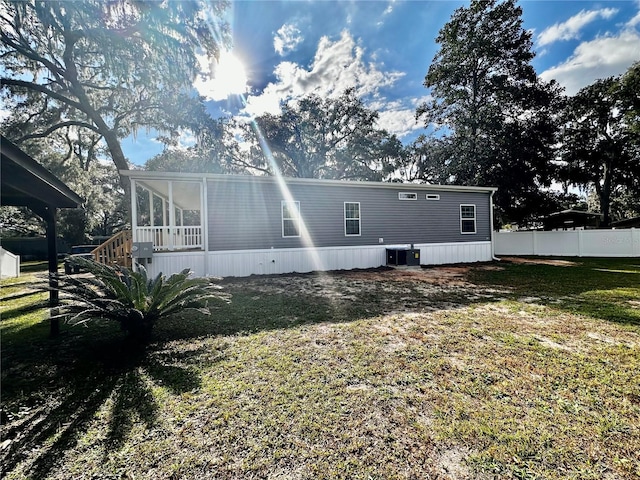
{"points": [[44, 90], [53, 128], [32, 55]]}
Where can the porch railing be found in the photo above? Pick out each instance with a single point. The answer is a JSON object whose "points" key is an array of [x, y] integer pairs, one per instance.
{"points": [[171, 238], [115, 251]]}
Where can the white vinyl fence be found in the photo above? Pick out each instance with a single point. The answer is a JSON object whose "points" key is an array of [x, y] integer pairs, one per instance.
{"points": [[571, 243], [9, 264]]}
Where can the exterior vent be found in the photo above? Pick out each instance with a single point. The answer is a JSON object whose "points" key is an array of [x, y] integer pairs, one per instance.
{"points": [[433, 196], [407, 196]]}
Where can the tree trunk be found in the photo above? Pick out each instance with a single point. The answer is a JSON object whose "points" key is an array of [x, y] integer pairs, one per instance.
{"points": [[605, 195]]}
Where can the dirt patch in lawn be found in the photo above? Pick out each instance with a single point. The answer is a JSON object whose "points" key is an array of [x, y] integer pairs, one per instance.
{"points": [[433, 275], [391, 290], [438, 275]]}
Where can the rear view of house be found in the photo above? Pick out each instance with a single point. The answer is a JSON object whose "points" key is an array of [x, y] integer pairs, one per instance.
{"points": [[233, 225]]}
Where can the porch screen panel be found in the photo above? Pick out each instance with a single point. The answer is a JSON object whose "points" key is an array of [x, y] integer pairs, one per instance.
{"points": [[142, 206]]}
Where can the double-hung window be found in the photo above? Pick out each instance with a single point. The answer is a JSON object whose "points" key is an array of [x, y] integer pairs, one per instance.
{"points": [[352, 218], [290, 219], [467, 219]]}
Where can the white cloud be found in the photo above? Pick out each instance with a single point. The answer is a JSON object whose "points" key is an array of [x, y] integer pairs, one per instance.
{"points": [[571, 28], [400, 121], [635, 21], [287, 38], [599, 58], [389, 9], [399, 116], [337, 65]]}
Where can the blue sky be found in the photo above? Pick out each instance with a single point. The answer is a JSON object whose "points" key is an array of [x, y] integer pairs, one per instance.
{"points": [[383, 49]]}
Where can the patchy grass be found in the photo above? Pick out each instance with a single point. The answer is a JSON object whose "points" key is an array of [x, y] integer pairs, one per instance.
{"points": [[509, 370], [604, 288]]}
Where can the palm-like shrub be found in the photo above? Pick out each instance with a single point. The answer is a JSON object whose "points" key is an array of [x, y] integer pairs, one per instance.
{"points": [[130, 297]]}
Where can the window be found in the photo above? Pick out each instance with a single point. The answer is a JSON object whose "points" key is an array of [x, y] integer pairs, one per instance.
{"points": [[290, 219], [433, 196], [467, 219], [407, 196], [352, 218]]}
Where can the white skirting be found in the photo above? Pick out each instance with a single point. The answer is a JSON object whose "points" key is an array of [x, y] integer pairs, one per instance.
{"points": [[242, 263], [447, 253]]}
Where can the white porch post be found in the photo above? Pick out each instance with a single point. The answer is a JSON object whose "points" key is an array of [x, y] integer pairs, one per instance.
{"points": [[172, 217], [204, 222], [134, 211], [151, 212], [134, 218]]}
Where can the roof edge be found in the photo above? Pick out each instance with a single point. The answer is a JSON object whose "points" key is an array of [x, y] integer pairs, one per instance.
{"points": [[25, 161], [152, 175]]}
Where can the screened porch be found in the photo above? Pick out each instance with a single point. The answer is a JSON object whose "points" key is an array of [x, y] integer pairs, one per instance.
{"points": [[168, 213]]}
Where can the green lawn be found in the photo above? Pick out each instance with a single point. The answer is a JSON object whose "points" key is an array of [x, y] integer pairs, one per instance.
{"points": [[518, 369]]}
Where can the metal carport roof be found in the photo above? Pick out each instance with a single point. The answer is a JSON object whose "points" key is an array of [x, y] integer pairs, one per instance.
{"points": [[24, 182]]}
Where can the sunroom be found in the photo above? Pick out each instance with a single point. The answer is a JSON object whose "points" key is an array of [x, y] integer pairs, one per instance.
{"points": [[168, 213]]}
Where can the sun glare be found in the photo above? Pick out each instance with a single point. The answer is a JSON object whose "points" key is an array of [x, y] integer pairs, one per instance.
{"points": [[229, 77]]}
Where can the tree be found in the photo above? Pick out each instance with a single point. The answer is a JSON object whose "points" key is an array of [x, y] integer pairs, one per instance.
{"points": [[600, 141], [424, 160], [334, 138], [494, 116], [216, 150], [106, 67], [75, 161]]}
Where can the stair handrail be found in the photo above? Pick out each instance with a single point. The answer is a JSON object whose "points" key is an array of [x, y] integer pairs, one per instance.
{"points": [[116, 249]]}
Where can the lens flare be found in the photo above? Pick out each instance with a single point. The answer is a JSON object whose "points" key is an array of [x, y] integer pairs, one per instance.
{"points": [[286, 193]]}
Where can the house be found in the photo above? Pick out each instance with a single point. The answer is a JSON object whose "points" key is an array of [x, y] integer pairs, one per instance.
{"points": [[572, 219], [235, 225], [633, 222]]}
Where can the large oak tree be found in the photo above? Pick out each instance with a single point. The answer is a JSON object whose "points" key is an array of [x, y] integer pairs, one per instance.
{"points": [[334, 138], [494, 117], [601, 139], [105, 67]]}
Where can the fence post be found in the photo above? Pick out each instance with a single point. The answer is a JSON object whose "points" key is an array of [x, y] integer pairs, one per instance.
{"points": [[535, 243], [635, 242], [580, 242]]}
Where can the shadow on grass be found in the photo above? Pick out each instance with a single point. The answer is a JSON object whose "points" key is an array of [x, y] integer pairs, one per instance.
{"points": [[267, 303], [599, 288], [17, 312], [249, 313], [53, 388], [36, 266]]}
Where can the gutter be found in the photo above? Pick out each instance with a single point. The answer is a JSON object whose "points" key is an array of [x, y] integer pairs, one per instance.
{"points": [[493, 247]]}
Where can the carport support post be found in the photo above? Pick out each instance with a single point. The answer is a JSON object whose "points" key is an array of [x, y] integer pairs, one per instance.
{"points": [[50, 220]]}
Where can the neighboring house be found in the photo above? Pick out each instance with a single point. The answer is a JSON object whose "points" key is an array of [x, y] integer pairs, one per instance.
{"points": [[572, 219], [633, 222], [232, 225]]}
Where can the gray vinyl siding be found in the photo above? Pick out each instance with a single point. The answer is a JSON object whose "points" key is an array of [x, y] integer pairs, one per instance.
{"points": [[247, 215]]}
